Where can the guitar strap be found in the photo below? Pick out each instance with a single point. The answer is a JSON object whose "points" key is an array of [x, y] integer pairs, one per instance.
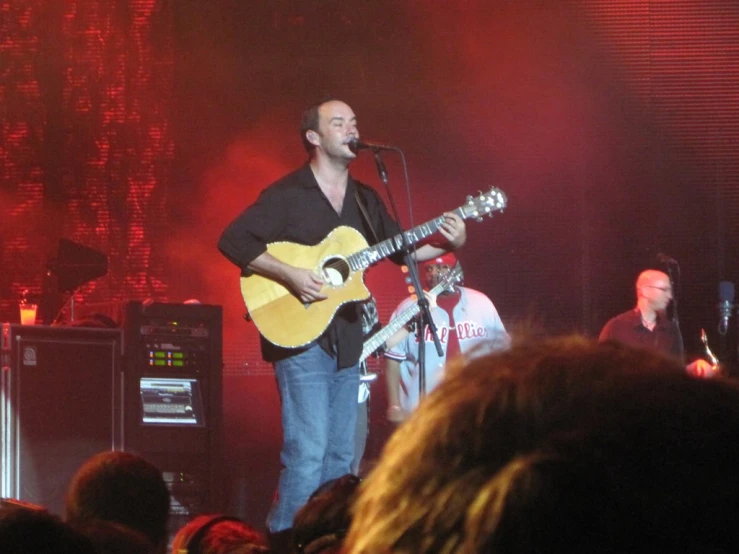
{"points": [[365, 214]]}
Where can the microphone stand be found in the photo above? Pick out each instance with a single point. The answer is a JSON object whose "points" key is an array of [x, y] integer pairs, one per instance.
{"points": [[675, 282], [424, 316]]}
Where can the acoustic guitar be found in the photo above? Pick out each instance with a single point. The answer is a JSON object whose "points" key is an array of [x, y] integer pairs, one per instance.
{"points": [[340, 259]]}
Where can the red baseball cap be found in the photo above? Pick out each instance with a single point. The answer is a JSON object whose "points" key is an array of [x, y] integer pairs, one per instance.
{"points": [[445, 259]]}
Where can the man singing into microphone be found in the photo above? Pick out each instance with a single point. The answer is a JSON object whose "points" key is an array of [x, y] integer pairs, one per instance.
{"points": [[647, 325], [319, 382]]}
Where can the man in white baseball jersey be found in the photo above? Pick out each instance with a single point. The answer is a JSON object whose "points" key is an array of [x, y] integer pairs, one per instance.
{"points": [[465, 319]]}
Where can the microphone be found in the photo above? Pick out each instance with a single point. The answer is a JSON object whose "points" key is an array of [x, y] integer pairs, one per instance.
{"points": [[725, 305], [665, 259], [355, 145]]}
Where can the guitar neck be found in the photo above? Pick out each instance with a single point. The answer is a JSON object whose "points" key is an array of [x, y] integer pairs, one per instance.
{"points": [[377, 340], [364, 258]]}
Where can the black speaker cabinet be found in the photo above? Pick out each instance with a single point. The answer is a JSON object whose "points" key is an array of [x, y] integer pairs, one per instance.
{"points": [[60, 403]]}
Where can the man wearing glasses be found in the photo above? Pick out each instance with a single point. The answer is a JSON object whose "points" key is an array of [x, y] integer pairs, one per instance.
{"points": [[647, 325]]}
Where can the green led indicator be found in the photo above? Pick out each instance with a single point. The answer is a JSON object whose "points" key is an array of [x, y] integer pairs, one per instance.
{"points": [[179, 355], [159, 354], [178, 363], [159, 362]]}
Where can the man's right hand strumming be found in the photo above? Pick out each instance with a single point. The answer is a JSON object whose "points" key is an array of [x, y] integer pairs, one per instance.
{"points": [[305, 284]]}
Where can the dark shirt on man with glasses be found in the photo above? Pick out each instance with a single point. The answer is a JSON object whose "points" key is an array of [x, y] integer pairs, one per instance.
{"points": [[629, 328]]}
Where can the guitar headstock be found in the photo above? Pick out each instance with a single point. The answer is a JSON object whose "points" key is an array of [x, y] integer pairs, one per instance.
{"points": [[486, 203], [448, 280], [454, 277]]}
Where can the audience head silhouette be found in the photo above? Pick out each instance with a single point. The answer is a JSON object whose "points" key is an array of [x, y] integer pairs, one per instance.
{"points": [[321, 525], [124, 488], [108, 537], [218, 534], [562, 446], [30, 530]]}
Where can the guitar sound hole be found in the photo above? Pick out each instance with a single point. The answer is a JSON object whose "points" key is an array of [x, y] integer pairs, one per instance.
{"points": [[335, 271]]}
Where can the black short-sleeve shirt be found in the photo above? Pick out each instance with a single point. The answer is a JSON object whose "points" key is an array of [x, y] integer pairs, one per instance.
{"points": [[628, 329]]}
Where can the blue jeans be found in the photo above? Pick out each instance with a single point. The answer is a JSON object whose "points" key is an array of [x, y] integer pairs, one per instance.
{"points": [[319, 414]]}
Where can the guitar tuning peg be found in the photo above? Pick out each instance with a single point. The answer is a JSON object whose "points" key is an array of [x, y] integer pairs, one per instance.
{"points": [[479, 218], [469, 199]]}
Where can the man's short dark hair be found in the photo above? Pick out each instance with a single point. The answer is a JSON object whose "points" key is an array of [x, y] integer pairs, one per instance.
{"points": [[309, 122], [123, 488]]}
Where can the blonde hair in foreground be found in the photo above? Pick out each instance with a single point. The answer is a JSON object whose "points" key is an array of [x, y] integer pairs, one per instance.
{"points": [[559, 446]]}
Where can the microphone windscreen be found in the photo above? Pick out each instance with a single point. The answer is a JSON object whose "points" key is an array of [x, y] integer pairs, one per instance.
{"points": [[726, 292]]}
